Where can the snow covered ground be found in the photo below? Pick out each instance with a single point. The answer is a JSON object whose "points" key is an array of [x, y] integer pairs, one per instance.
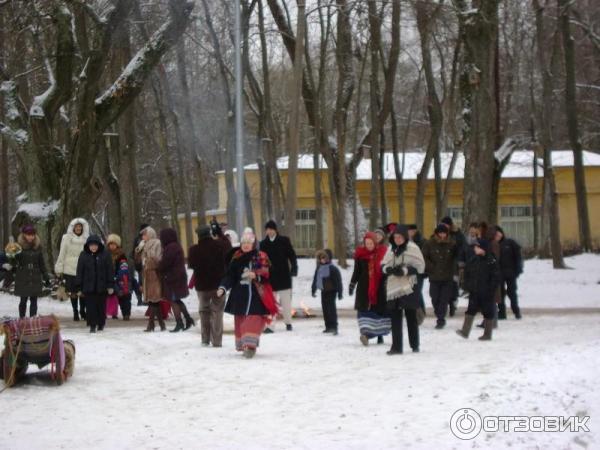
{"points": [[309, 390]]}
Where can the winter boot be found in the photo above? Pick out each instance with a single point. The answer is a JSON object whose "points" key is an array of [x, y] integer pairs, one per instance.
{"points": [[178, 326], [249, 353], [466, 328], [189, 322], [502, 311], [364, 340], [150, 326], [488, 326], [452, 306], [379, 339], [75, 315], [288, 327]]}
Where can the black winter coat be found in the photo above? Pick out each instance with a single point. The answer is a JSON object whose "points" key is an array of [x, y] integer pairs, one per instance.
{"points": [[332, 283], [207, 260], [244, 299], [440, 258], [171, 267], [30, 269], [284, 264], [95, 273], [511, 261], [360, 277], [482, 274]]}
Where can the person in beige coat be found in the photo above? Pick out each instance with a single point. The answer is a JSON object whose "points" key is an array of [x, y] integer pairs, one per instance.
{"points": [[149, 251], [71, 246]]}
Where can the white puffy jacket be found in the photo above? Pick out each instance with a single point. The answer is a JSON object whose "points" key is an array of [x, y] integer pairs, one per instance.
{"points": [[71, 247]]}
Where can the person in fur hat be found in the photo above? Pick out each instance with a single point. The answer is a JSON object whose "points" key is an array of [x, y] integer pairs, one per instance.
{"points": [[149, 253], [123, 278], [30, 271], [71, 246], [402, 262], [328, 280], [251, 300], [95, 280]]}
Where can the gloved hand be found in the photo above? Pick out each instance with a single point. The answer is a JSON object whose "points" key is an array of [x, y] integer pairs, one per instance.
{"points": [[294, 272], [8, 267], [351, 289], [340, 296], [400, 271], [110, 291], [314, 294], [47, 283], [389, 270]]}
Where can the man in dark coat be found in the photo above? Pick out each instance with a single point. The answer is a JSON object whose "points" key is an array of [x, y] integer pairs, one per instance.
{"points": [[481, 279], [284, 266], [95, 281], [207, 260], [461, 247], [511, 266], [173, 277], [439, 253]]}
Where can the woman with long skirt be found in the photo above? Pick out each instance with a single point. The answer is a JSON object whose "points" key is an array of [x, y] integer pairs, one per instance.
{"points": [[251, 298], [367, 281]]}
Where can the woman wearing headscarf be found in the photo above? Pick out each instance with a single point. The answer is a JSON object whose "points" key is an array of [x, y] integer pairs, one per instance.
{"points": [[251, 298], [402, 263], [367, 280], [71, 246]]}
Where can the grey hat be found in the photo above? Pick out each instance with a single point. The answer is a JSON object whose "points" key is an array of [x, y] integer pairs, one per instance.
{"points": [[203, 232]]}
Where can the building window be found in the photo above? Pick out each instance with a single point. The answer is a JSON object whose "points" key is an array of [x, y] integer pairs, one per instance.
{"points": [[306, 230], [517, 223], [456, 214]]}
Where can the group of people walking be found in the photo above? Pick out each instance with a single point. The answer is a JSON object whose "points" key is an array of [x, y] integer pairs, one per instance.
{"points": [[387, 281]]}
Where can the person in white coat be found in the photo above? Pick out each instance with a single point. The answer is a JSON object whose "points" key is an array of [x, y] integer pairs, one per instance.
{"points": [[71, 247]]}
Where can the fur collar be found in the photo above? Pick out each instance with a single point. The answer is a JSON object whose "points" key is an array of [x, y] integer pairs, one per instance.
{"points": [[26, 245]]}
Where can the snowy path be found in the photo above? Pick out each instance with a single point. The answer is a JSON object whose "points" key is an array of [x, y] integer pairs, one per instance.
{"points": [[309, 390]]}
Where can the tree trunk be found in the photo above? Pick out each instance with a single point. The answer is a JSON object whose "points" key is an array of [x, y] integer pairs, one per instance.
{"points": [[201, 196], [585, 237], [319, 216]]}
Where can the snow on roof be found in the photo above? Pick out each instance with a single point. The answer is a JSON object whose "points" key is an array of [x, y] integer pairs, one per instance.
{"points": [[519, 166]]}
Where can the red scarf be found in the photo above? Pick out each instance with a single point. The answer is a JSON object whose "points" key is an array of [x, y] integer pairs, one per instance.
{"points": [[375, 274]]}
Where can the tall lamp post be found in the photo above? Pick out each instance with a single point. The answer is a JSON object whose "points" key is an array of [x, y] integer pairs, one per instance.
{"points": [[239, 122]]}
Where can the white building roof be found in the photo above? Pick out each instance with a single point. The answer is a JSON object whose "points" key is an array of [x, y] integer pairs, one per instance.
{"points": [[519, 166]]}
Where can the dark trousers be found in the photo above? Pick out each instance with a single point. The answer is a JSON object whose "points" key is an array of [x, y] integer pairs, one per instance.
{"points": [[96, 310], [420, 282], [81, 305], [329, 310], [509, 286], [411, 324], [483, 303], [441, 293], [125, 305], [23, 307]]}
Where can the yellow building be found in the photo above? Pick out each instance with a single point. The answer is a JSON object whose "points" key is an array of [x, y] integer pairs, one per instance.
{"points": [[515, 211]]}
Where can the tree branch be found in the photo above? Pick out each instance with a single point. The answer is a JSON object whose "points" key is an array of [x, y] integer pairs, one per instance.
{"points": [[131, 81]]}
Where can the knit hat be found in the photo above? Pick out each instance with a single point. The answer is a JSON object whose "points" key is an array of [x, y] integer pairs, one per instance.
{"points": [[381, 232], [448, 221], [441, 228], [271, 225], [402, 230], [203, 232], [114, 238], [28, 229], [248, 236], [390, 227], [370, 235]]}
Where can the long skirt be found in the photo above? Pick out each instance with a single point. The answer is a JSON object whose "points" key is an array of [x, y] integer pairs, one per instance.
{"points": [[248, 330], [372, 324]]}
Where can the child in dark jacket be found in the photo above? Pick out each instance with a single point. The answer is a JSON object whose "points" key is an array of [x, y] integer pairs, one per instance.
{"points": [[328, 280], [95, 281]]}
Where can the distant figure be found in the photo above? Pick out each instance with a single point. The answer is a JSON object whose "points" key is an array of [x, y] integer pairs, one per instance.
{"points": [[284, 266], [173, 276], [251, 299], [207, 260], [402, 262], [123, 275], [95, 281], [328, 280], [481, 279], [71, 246], [459, 239], [511, 266], [30, 270]]}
